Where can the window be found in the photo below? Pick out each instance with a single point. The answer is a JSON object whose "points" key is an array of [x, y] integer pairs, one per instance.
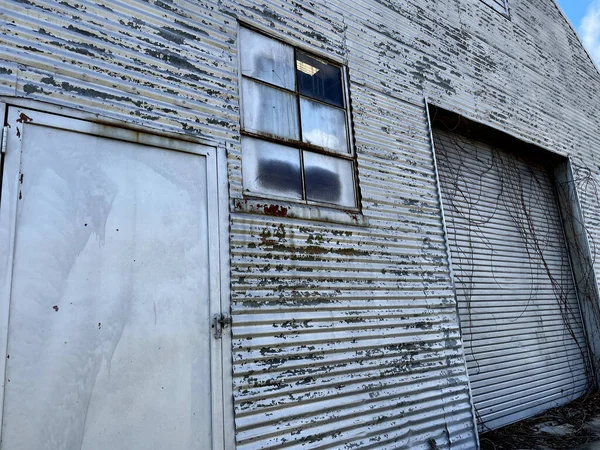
{"points": [[499, 5], [295, 125]]}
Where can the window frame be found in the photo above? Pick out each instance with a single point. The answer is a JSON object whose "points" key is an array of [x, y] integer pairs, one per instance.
{"points": [[499, 9], [299, 144]]}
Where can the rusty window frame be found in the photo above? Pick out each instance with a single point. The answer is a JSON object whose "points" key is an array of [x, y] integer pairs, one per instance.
{"points": [[299, 144]]}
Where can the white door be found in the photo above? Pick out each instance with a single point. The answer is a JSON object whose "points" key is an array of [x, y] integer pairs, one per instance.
{"points": [[109, 278]]}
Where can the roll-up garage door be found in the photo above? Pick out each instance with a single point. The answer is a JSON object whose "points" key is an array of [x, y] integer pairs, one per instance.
{"points": [[521, 324]]}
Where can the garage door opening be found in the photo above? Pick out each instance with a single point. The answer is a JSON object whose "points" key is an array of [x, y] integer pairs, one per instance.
{"points": [[518, 300]]}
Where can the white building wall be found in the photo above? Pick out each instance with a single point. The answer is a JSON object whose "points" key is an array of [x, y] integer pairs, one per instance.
{"points": [[345, 333]]}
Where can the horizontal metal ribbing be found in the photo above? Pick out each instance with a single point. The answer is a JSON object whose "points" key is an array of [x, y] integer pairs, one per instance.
{"points": [[506, 241]]}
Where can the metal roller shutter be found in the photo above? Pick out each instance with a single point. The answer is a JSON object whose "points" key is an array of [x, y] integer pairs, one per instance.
{"points": [[521, 324]]}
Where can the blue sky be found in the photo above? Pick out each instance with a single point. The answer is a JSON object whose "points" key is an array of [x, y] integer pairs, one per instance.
{"points": [[575, 9], [585, 17]]}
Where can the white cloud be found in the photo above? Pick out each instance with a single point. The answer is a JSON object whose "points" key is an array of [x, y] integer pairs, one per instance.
{"points": [[590, 30]]}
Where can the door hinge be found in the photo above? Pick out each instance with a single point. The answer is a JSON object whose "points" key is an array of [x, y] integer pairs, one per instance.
{"points": [[220, 322], [4, 139]]}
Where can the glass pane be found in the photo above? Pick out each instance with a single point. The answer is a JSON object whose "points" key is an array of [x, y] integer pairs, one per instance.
{"points": [[269, 168], [329, 179], [266, 59], [323, 125], [319, 80], [269, 110]]}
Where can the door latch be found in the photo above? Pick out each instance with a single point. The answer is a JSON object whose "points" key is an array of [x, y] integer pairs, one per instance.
{"points": [[220, 322], [4, 139]]}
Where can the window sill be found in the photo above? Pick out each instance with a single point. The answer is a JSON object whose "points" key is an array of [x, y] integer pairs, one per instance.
{"points": [[278, 208]]}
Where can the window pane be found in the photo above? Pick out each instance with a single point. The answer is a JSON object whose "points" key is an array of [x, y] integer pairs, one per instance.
{"points": [[271, 168], [329, 179], [269, 110], [266, 59], [323, 125], [319, 80]]}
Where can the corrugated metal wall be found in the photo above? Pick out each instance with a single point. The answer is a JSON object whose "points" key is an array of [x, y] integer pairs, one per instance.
{"points": [[344, 335]]}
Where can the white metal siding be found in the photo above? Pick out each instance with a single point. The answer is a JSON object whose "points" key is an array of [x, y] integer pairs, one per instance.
{"points": [[521, 324], [347, 336], [172, 66]]}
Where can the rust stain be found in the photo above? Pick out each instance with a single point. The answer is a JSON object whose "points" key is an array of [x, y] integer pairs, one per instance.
{"points": [[276, 210], [274, 238], [280, 232], [353, 216], [24, 118], [266, 238]]}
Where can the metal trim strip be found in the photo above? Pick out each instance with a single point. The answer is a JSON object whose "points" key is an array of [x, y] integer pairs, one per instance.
{"points": [[449, 258]]}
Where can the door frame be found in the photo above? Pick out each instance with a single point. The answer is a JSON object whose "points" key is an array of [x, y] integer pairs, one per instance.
{"points": [[451, 270], [18, 119]]}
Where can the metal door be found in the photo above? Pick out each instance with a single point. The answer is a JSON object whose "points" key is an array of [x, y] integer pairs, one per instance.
{"points": [[109, 282], [520, 319]]}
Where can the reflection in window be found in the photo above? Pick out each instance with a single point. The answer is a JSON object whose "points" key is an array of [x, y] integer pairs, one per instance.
{"points": [[267, 60], [328, 179], [270, 168], [295, 140], [269, 110], [324, 126], [319, 80]]}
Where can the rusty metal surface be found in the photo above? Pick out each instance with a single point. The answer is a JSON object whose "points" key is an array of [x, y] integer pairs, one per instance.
{"points": [[344, 332]]}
